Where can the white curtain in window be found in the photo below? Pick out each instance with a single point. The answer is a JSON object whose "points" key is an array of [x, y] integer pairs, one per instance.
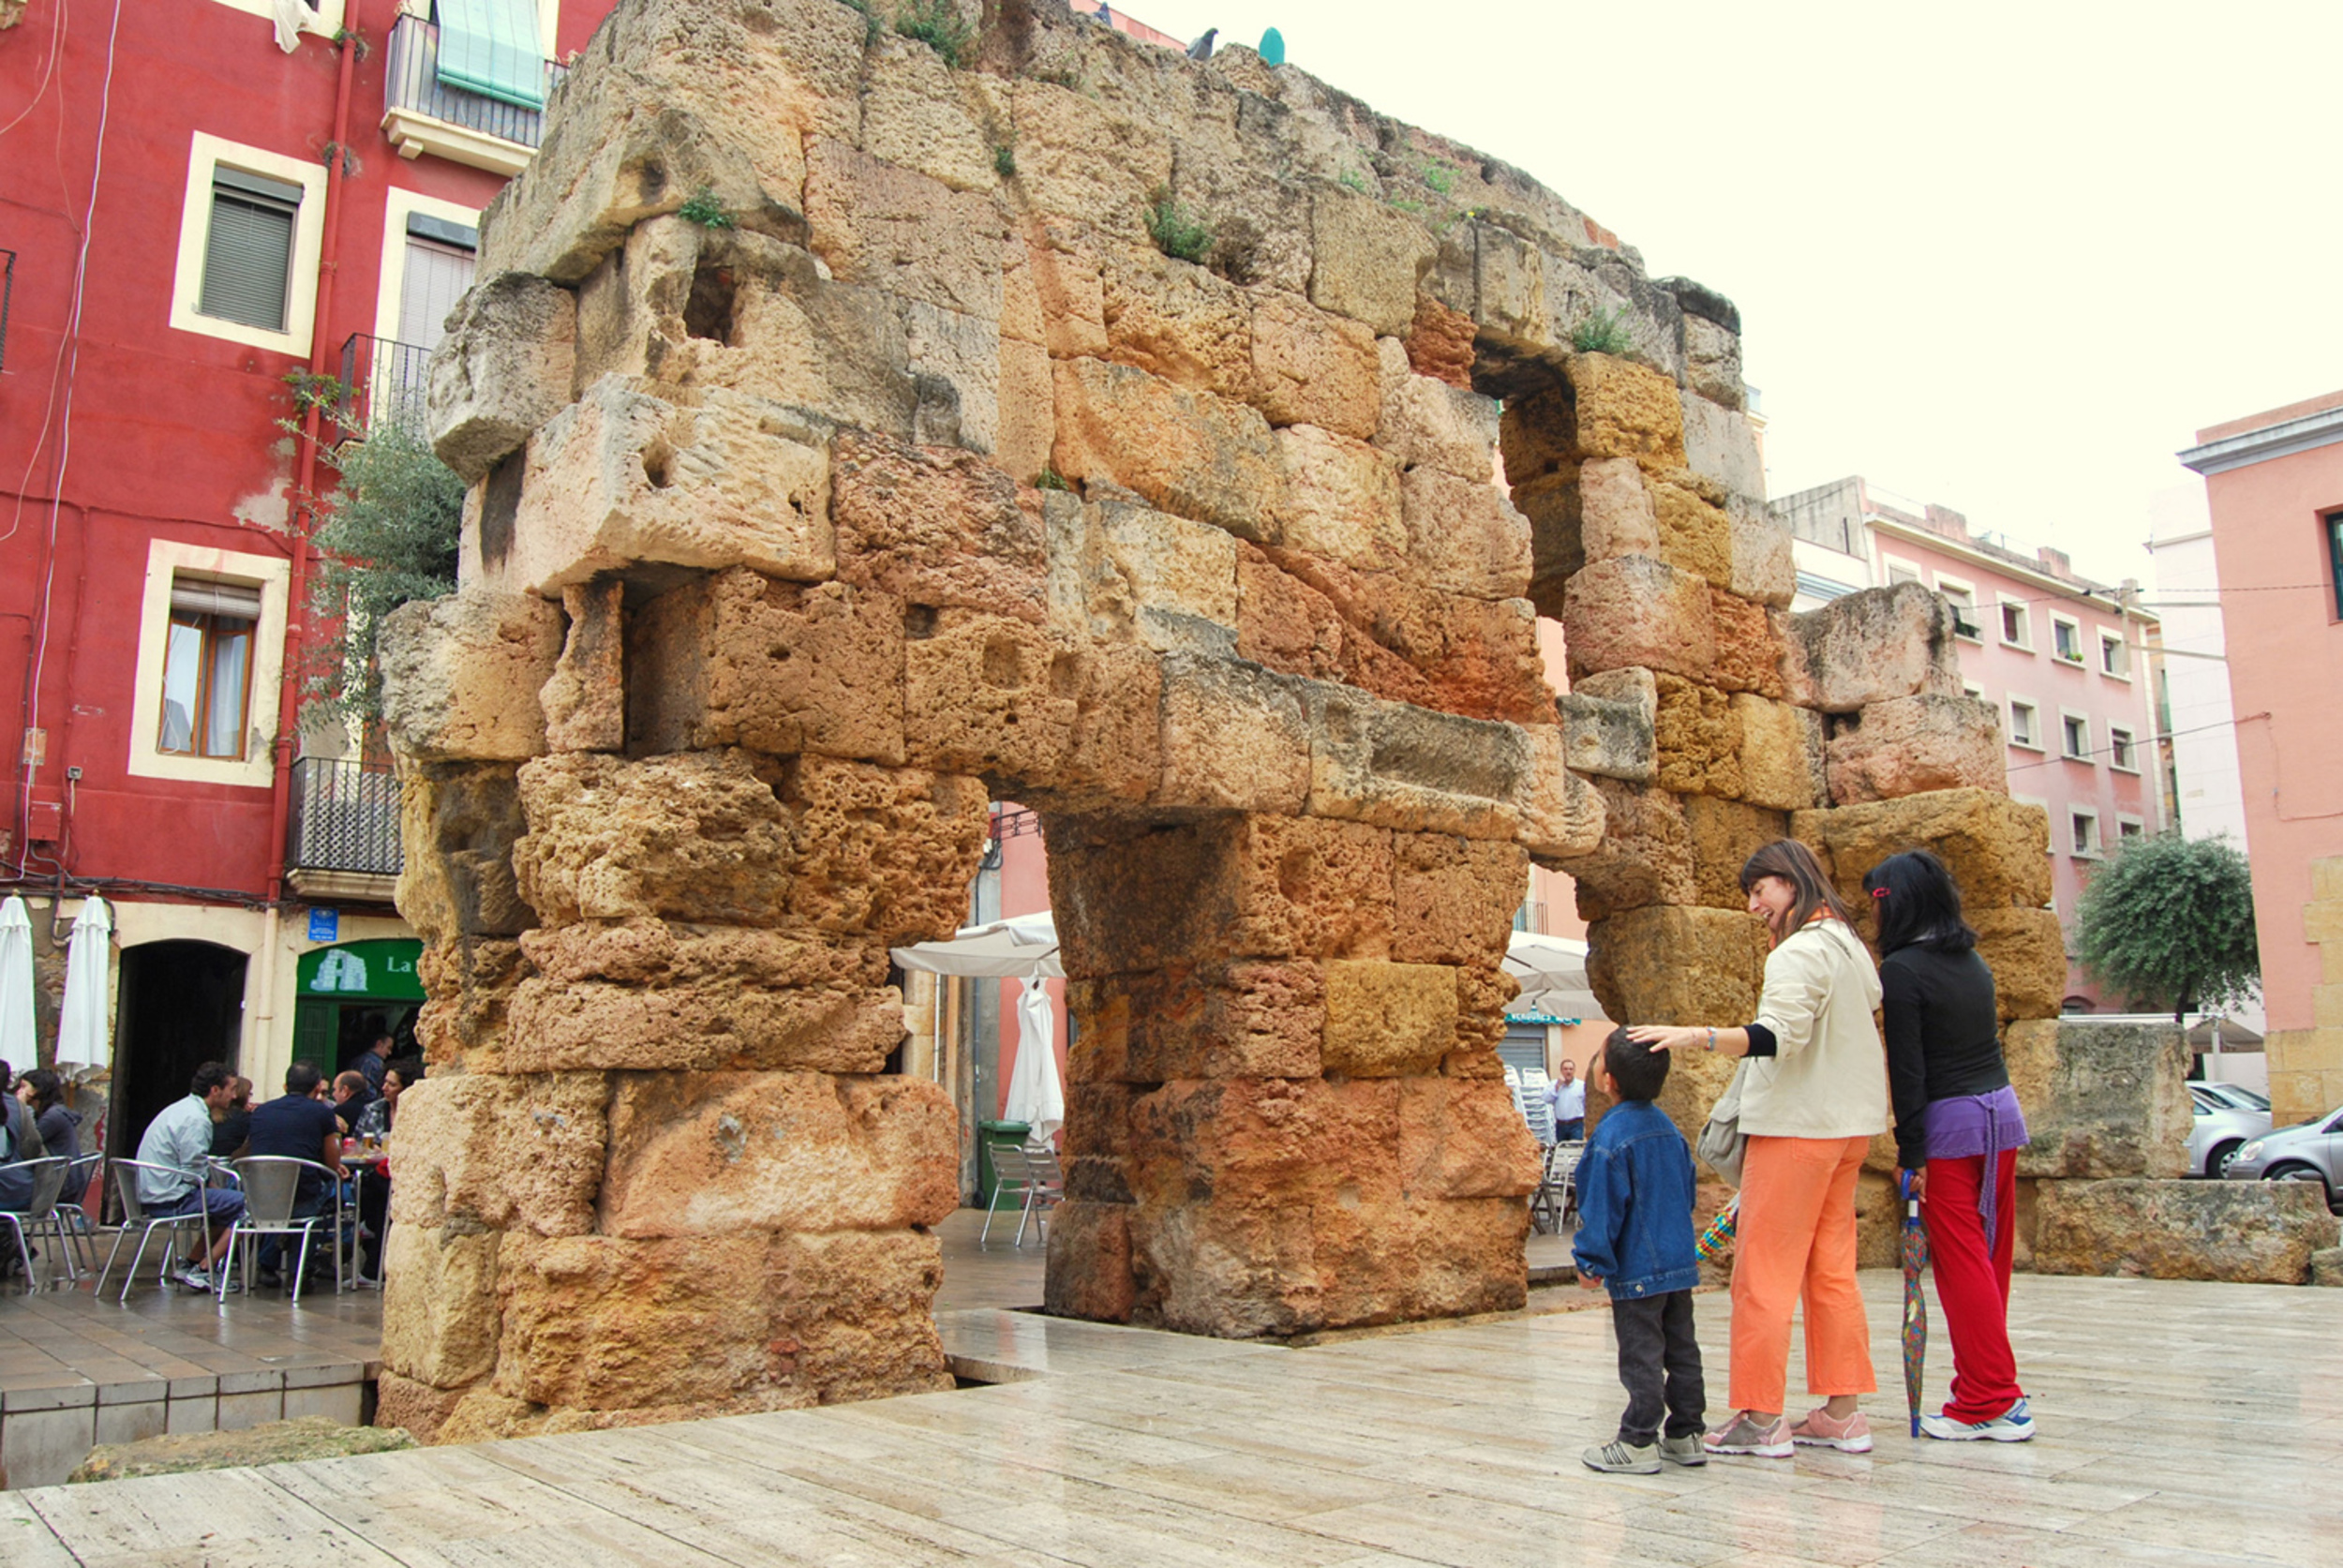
{"points": [[183, 679], [223, 724]]}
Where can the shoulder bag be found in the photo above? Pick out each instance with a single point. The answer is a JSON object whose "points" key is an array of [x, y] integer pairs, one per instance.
{"points": [[1723, 1143]]}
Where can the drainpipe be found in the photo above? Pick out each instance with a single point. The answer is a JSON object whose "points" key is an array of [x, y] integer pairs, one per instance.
{"points": [[296, 617]]}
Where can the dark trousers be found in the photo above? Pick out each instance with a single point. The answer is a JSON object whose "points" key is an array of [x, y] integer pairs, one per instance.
{"points": [[1659, 1362]]}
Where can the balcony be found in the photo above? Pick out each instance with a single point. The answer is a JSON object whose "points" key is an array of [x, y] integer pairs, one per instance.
{"points": [[384, 383], [424, 116], [344, 833]]}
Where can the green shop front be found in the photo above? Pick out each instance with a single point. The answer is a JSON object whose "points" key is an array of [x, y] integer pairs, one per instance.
{"points": [[347, 994]]}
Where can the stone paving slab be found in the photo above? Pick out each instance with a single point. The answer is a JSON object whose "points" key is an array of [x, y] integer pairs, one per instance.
{"points": [[2181, 1424]]}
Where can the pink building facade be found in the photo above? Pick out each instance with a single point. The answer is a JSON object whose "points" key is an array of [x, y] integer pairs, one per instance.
{"points": [[2064, 660], [2273, 483]]}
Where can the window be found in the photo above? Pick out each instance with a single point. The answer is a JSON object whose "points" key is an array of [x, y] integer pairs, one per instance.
{"points": [[2074, 733], [1902, 572], [249, 234], [429, 249], [2115, 655], [2066, 639], [2085, 829], [208, 667], [2119, 750], [2025, 724], [491, 47], [2016, 628], [211, 648], [1971, 689], [2129, 827], [1963, 602], [2334, 558]]}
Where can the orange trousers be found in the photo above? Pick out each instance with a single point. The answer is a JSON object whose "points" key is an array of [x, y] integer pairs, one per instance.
{"points": [[1796, 1240]]}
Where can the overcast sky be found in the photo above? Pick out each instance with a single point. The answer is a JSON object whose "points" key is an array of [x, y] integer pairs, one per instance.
{"points": [[2004, 257]]}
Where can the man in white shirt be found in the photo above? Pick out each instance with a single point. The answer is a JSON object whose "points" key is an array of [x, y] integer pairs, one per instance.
{"points": [[1568, 1096], [179, 1142]]}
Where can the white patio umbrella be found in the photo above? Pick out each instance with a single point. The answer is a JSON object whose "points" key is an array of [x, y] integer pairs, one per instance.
{"points": [[19, 1045], [1035, 1095], [1542, 963], [998, 949], [85, 1045]]}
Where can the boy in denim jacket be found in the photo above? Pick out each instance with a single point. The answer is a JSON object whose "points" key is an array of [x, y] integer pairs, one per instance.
{"points": [[1636, 1236]]}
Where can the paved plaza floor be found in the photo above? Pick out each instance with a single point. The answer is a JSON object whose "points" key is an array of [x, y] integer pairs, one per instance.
{"points": [[2180, 1424]]}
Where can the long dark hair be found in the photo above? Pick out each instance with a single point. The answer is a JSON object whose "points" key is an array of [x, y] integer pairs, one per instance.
{"points": [[48, 1088], [1919, 904], [1796, 864]]}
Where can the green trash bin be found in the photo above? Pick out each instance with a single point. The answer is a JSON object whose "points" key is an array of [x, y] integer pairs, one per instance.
{"points": [[988, 1134]]}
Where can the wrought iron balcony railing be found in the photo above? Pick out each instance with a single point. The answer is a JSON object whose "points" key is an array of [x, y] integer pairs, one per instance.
{"points": [[414, 87], [383, 382], [343, 818]]}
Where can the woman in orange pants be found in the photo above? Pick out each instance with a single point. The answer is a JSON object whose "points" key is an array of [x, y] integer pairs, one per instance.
{"points": [[1814, 1095]]}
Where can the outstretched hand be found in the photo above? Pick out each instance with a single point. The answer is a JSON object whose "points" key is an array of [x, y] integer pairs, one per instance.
{"points": [[1661, 1037]]}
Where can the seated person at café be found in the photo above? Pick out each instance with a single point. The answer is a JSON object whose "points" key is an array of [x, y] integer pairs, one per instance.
{"points": [[230, 1127], [351, 1095], [300, 1126], [177, 1144]]}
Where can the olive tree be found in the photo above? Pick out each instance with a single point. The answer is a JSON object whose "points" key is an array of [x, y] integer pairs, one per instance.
{"points": [[2168, 923]]}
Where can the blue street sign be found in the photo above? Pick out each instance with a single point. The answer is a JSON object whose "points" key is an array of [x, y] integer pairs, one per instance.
{"points": [[325, 925]]}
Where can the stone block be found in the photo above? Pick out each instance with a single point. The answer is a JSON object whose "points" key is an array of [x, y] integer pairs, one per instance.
{"points": [[1367, 260], [1457, 1139], [1079, 157], [936, 527], [506, 366], [1416, 771], [1615, 516], [1312, 369], [1625, 409], [1992, 845], [1782, 753], [1439, 344], [1181, 451], [1721, 446], [1723, 835], [1749, 645], [2260, 1232], [439, 1318], [1231, 1018], [1175, 319], [1116, 753], [1712, 362], [1694, 535], [585, 698], [460, 676], [1429, 421], [990, 697], [2026, 950], [1763, 572], [1911, 745], [1454, 899], [920, 114], [620, 479], [416, 1408], [458, 822], [1054, 293], [1666, 964], [1607, 739], [694, 836], [738, 659], [1089, 1274], [488, 1151], [881, 852], [1464, 536], [1636, 611], [470, 983], [1696, 740], [727, 1153], [1645, 855], [955, 364], [1028, 415], [1387, 1020], [1560, 813], [2101, 1099], [1872, 646], [1123, 572], [887, 227], [1341, 499], [1235, 737]]}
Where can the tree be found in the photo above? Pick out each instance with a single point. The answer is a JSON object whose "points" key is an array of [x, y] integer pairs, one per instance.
{"points": [[2168, 922]]}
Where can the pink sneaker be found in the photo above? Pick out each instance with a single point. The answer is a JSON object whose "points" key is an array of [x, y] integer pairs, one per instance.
{"points": [[1744, 1435], [1821, 1429]]}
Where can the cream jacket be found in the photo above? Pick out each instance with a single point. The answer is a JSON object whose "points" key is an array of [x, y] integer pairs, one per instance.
{"points": [[1829, 1075]]}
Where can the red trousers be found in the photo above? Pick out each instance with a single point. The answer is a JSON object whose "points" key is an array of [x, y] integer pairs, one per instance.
{"points": [[1973, 1283]]}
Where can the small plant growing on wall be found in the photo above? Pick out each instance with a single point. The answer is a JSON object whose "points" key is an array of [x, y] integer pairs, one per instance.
{"points": [[1603, 332], [1005, 162], [1177, 234], [938, 24], [705, 210], [1050, 480]]}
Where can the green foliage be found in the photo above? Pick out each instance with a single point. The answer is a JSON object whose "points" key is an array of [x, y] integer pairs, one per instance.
{"points": [[1052, 480], [1352, 179], [388, 537], [1605, 332], [705, 210], [1176, 233], [2168, 922], [1005, 162], [869, 20], [329, 395], [1440, 177], [1403, 204], [938, 24]]}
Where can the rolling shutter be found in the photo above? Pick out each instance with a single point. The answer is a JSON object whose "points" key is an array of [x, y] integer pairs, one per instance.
{"points": [[248, 256], [490, 47]]}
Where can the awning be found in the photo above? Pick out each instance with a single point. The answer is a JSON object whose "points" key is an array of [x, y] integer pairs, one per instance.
{"points": [[490, 47], [998, 949]]}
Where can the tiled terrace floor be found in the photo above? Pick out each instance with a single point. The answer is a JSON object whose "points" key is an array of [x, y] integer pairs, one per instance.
{"points": [[2181, 1424]]}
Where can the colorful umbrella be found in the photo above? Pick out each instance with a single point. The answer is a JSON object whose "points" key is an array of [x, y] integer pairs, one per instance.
{"points": [[1915, 1303], [1719, 1231]]}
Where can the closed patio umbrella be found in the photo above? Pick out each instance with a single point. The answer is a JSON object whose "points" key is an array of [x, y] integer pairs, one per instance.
{"points": [[19, 1045], [85, 1045], [1035, 1096]]}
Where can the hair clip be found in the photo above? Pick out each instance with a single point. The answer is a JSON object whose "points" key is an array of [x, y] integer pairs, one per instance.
{"points": [[1879, 892]]}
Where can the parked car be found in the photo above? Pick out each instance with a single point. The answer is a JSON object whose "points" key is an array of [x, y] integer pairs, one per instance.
{"points": [[2222, 1125], [2311, 1152]]}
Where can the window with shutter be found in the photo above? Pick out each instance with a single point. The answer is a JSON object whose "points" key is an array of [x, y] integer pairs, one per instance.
{"points": [[247, 255], [208, 667], [490, 47]]}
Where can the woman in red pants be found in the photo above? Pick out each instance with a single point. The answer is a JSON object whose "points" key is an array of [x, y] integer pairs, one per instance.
{"points": [[1957, 1133]]}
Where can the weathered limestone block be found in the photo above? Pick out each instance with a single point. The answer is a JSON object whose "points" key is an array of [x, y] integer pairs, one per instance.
{"points": [[989, 696], [1119, 738], [1763, 572], [920, 114], [2326, 1267], [1053, 293], [1427, 421], [1028, 413], [1367, 260], [1175, 319], [620, 478], [469, 981], [1665, 964], [1992, 845], [1782, 753], [1231, 1018], [2101, 1100], [1235, 737], [1464, 535], [740, 660], [1183, 451], [460, 676], [1694, 535], [1607, 740], [936, 527], [1560, 813], [497, 1152], [1724, 834], [1439, 344], [718, 1154], [696, 836], [2026, 950], [1309, 367], [1455, 1140], [506, 366], [1720, 447], [914, 236], [1749, 645], [1696, 740], [1123, 572], [1635, 611], [1712, 362], [1872, 646], [1081, 157], [1387, 1020], [883, 852], [955, 364], [1341, 499], [417, 1407], [439, 1318], [1644, 858], [1910, 745], [458, 821], [1625, 409], [2264, 1232], [1454, 900], [1414, 769], [1615, 516], [585, 698]]}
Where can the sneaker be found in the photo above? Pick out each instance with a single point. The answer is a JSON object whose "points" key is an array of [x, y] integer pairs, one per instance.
{"points": [[1686, 1449], [194, 1278], [2014, 1424], [269, 1279], [1623, 1459], [1742, 1435], [1821, 1429]]}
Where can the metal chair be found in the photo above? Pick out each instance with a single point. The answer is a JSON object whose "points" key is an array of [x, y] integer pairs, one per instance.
{"points": [[69, 1220], [271, 1188], [1045, 1187], [47, 1178], [134, 1214], [1555, 1199], [1012, 1178]]}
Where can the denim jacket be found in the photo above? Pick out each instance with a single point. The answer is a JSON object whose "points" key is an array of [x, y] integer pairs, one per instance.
{"points": [[1635, 1205]]}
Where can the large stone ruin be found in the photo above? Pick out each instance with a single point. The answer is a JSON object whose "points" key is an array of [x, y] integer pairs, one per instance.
{"points": [[844, 452]]}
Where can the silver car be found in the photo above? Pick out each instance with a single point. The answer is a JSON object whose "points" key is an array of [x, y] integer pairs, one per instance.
{"points": [[2312, 1152], [2226, 1121]]}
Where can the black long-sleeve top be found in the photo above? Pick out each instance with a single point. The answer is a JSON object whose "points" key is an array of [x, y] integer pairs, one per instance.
{"points": [[1943, 1038]]}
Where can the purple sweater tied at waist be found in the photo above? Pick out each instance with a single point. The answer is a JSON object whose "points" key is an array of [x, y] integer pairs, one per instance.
{"points": [[1968, 1126]]}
